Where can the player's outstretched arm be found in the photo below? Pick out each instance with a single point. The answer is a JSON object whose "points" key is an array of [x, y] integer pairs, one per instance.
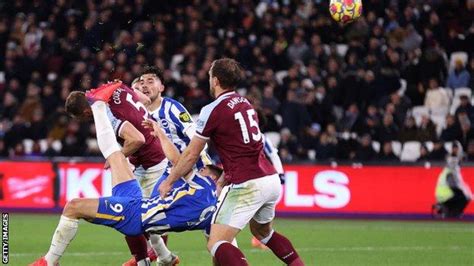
{"points": [[170, 150], [184, 165]]}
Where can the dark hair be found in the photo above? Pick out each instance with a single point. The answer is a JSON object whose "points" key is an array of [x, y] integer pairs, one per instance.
{"points": [[76, 103], [228, 72], [153, 70]]}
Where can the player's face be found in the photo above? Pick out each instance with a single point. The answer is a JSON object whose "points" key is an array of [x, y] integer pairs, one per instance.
{"points": [[137, 86], [151, 86]]}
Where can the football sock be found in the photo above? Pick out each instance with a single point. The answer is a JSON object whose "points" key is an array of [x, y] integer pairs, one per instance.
{"points": [[282, 248], [227, 254], [105, 133], [165, 239], [64, 234], [164, 254], [138, 247], [144, 262]]}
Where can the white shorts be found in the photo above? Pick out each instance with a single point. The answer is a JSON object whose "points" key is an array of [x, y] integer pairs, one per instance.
{"points": [[147, 178], [256, 198]]}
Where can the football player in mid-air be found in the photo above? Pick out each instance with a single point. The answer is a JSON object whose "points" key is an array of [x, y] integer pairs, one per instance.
{"points": [[189, 207], [126, 111]]}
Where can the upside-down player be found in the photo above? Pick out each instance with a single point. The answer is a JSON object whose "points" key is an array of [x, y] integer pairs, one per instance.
{"points": [[230, 122], [126, 112], [189, 207], [174, 119]]}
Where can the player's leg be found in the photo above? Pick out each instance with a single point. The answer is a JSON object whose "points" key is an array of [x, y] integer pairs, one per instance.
{"points": [[119, 168], [261, 224], [221, 248], [278, 243], [229, 219], [67, 228]]}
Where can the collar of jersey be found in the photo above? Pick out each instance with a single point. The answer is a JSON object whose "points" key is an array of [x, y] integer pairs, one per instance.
{"points": [[225, 94]]}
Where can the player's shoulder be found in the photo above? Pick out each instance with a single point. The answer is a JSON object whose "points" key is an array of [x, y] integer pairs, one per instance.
{"points": [[172, 102], [217, 103]]}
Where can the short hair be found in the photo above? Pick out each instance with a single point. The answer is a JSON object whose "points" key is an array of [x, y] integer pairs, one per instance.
{"points": [[228, 72], [153, 70], [135, 81], [76, 103]]}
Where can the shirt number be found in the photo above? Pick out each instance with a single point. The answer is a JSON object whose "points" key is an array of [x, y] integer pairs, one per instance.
{"points": [[137, 105], [243, 126]]}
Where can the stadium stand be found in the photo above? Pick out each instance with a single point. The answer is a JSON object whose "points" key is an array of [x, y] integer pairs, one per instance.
{"points": [[328, 88]]}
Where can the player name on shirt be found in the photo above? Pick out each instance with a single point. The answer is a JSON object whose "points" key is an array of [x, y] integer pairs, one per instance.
{"points": [[236, 100]]}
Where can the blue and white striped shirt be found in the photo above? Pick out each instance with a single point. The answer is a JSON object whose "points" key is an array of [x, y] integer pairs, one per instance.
{"points": [[178, 125]]}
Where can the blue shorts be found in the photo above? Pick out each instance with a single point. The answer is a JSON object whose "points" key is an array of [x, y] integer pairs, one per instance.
{"points": [[122, 210]]}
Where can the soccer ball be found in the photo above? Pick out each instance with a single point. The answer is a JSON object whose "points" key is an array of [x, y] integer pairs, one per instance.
{"points": [[345, 11]]}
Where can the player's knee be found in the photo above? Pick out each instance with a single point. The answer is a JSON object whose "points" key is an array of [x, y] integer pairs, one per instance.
{"points": [[260, 230], [72, 208]]}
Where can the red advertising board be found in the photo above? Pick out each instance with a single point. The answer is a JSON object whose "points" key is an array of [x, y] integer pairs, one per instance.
{"points": [[309, 190], [365, 190], [83, 180], [26, 185]]}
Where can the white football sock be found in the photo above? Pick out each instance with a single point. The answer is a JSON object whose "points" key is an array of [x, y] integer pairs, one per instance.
{"points": [[144, 262], [105, 133], [164, 254], [64, 234]]}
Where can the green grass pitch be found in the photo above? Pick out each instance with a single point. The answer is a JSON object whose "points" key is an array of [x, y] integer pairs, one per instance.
{"points": [[319, 242]]}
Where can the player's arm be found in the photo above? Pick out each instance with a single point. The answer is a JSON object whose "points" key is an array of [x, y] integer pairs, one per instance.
{"points": [[272, 154], [170, 150], [185, 163], [133, 139]]}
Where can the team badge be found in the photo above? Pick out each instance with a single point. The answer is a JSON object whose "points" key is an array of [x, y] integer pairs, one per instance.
{"points": [[184, 117], [164, 123]]}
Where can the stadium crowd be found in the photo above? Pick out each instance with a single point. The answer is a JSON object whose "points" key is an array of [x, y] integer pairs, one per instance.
{"points": [[401, 74]]}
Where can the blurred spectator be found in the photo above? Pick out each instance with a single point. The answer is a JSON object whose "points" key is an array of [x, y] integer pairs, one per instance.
{"points": [[295, 116], [438, 153], [388, 130], [426, 130], [436, 97], [326, 148], [452, 131], [386, 153], [409, 131], [466, 107], [459, 77], [288, 145], [365, 152], [424, 154]]}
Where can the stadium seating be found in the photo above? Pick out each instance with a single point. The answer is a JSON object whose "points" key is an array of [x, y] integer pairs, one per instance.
{"points": [[410, 151]]}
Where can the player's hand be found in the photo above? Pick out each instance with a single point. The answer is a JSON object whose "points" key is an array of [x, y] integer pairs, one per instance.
{"points": [[151, 124], [165, 188]]}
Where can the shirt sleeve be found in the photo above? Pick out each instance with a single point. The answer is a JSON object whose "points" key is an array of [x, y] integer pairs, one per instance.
{"points": [[206, 123], [180, 117]]}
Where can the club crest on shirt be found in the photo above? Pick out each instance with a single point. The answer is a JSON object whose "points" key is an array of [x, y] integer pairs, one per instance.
{"points": [[184, 117], [164, 123]]}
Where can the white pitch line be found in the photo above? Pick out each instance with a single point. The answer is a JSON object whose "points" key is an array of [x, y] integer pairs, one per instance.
{"points": [[306, 249]]}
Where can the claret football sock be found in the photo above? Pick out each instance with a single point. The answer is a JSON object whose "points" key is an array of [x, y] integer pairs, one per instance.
{"points": [[227, 254], [64, 234], [105, 133], [138, 247], [282, 248]]}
